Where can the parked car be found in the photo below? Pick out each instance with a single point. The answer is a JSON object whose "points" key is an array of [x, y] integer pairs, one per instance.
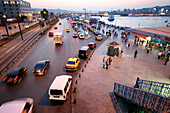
{"points": [[99, 37], [72, 64], [84, 52], [14, 76], [92, 45], [22, 105], [96, 32], [55, 27], [50, 33], [81, 36], [41, 67]]}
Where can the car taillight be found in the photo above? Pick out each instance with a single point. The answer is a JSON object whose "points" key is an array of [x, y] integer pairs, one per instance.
{"points": [[5, 78], [33, 71], [15, 78], [65, 66], [86, 52], [73, 66], [42, 71]]}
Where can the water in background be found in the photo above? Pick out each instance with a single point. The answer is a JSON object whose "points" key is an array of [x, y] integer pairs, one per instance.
{"points": [[137, 22]]}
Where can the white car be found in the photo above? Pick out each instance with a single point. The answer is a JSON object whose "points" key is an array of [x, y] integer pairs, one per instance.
{"points": [[27, 26], [81, 36], [22, 105]]}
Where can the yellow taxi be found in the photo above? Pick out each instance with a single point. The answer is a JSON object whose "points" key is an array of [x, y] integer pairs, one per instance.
{"points": [[67, 30], [72, 64], [96, 32], [99, 37]]}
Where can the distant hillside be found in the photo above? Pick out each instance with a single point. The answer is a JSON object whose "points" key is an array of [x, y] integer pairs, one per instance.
{"points": [[51, 10]]}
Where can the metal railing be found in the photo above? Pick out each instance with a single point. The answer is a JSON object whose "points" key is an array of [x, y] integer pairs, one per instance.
{"points": [[147, 100], [159, 88]]}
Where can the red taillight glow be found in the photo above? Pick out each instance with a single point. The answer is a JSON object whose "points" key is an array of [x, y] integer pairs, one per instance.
{"points": [[5, 78], [33, 71], [42, 71], [86, 52], [15, 78]]}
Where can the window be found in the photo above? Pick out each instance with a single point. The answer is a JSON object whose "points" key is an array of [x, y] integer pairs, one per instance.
{"points": [[4, 8], [2, 1], [16, 8], [16, 5], [9, 5], [10, 8], [17, 12], [56, 92], [3, 5], [12, 13]]}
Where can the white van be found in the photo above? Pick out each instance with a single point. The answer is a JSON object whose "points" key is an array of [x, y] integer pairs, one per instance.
{"points": [[60, 87], [58, 38]]}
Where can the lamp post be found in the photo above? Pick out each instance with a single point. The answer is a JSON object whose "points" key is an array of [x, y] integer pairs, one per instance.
{"points": [[4, 16], [19, 25], [85, 13]]}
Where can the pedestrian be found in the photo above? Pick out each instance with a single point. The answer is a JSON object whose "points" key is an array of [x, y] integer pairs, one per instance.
{"points": [[110, 60], [135, 54], [121, 52], [159, 54], [147, 51], [107, 63], [104, 61], [166, 60]]}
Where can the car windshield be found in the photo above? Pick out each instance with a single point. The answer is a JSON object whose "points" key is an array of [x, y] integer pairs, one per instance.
{"points": [[56, 92], [75, 33], [39, 66], [71, 62], [90, 45], [99, 35], [81, 35]]}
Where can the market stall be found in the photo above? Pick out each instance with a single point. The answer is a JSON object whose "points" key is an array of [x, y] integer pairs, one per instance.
{"points": [[114, 48]]}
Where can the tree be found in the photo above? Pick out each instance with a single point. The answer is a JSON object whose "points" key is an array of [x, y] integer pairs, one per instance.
{"points": [[44, 14], [52, 15]]}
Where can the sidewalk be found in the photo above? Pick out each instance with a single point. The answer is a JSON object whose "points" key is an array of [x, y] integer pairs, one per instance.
{"points": [[95, 83]]}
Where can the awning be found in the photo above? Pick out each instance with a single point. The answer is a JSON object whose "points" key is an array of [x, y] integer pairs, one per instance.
{"points": [[139, 35]]}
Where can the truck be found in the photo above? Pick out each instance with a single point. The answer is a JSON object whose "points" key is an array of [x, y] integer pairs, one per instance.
{"points": [[57, 38]]}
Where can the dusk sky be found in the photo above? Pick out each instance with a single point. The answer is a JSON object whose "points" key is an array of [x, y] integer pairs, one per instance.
{"points": [[78, 5]]}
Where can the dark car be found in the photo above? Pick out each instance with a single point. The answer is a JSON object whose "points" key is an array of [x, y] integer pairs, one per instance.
{"points": [[92, 45], [14, 76], [59, 23], [55, 27], [41, 67], [84, 52], [50, 33]]}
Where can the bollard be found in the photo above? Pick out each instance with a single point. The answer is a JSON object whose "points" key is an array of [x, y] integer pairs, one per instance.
{"points": [[21, 55], [7, 68], [13, 63], [74, 90], [87, 61], [83, 70], [89, 58], [74, 101], [76, 82], [25, 50], [84, 65], [79, 75], [17, 59]]}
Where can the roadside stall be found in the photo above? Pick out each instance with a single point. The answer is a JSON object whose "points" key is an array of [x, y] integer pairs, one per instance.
{"points": [[114, 48]]}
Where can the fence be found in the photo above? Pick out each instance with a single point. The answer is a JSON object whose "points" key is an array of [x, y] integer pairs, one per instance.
{"points": [[150, 101], [162, 89]]}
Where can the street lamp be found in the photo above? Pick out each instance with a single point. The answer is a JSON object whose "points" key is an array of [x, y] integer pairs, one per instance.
{"points": [[19, 16], [85, 13], [4, 16]]}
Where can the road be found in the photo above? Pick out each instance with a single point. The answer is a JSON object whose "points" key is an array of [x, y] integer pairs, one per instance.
{"points": [[36, 87]]}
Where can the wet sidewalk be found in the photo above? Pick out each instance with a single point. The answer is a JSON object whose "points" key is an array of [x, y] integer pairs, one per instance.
{"points": [[95, 83]]}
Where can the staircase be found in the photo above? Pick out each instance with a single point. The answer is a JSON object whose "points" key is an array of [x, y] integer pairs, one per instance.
{"points": [[151, 96]]}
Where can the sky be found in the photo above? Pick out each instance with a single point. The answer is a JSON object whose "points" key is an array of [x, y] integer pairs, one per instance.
{"points": [[97, 5]]}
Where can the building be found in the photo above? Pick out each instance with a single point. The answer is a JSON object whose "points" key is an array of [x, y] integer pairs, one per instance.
{"points": [[12, 8]]}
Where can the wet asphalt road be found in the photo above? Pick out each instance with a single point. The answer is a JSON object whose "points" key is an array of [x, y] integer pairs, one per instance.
{"points": [[36, 87]]}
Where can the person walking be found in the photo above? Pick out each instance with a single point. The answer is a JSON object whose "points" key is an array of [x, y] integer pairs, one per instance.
{"points": [[136, 52], [104, 61], [166, 60], [107, 63], [121, 52], [110, 60]]}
